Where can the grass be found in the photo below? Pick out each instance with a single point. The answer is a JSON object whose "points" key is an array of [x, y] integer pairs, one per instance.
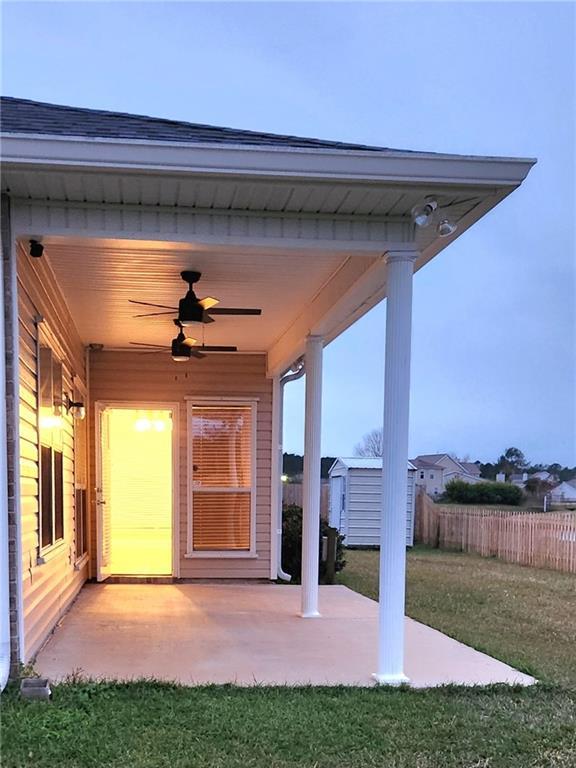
{"points": [[154, 725], [523, 616]]}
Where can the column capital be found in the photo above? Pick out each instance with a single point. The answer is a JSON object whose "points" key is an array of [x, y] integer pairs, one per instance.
{"points": [[406, 252]]}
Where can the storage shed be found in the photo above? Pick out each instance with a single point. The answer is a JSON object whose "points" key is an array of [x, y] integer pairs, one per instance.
{"points": [[355, 494]]}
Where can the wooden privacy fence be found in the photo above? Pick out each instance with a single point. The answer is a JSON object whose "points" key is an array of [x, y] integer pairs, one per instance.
{"points": [[292, 494], [542, 540]]}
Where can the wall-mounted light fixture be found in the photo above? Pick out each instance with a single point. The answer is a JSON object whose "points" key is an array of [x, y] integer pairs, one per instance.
{"points": [[76, 408]]}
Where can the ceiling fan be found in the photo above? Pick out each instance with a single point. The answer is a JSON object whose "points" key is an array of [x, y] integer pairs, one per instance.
{"points": [[191, 309], [182, 347]]}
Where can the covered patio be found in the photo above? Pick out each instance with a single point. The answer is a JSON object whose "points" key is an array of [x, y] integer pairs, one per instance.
{"points": [[110, 219], [247, 635]]}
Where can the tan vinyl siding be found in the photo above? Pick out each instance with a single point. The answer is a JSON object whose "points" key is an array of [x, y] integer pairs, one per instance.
{"points": [[146, 379], [47, 588]]}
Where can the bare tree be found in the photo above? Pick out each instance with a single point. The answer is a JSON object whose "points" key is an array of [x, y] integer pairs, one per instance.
{"points": [[372, 444]]}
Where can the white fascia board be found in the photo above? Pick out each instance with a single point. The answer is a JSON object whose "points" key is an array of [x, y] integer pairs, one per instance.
{"points": [[280, 162]]}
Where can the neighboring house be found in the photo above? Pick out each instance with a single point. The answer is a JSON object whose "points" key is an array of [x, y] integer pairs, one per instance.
{"points": [[429, 476], [356, 500], [520, 478], [175, 469], [564, 492], [543, 476], [450, 469]]}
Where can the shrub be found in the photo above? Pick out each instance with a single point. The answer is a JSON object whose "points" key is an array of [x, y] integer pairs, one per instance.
{"points": [[483, 493], [292, 544]]}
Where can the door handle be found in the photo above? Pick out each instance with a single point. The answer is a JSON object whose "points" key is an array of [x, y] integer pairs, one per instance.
{"points": [[100, 502]]}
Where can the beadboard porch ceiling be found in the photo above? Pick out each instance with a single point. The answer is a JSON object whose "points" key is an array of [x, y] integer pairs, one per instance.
{"points": [[97, 278]]}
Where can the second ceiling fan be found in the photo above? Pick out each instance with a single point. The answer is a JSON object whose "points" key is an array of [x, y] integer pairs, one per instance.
{"points": [[191, 309]]}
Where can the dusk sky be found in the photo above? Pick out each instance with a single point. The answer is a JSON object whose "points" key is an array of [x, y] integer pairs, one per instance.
{"points": [[494, 337]]}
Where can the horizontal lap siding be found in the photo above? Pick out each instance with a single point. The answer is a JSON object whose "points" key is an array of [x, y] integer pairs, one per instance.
{"points": [[364, 507], [48, 588], [136, 378]]}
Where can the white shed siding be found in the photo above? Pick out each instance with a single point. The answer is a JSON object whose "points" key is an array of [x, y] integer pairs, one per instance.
{"points": [[360, 516]]}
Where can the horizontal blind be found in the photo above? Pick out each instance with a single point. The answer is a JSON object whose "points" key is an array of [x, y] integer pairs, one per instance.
{"points": [[222, 477], [222, 446], [221, 521]]}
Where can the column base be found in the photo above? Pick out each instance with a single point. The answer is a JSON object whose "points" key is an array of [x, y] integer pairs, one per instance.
{"points": [[394, 680], [311, 615]]}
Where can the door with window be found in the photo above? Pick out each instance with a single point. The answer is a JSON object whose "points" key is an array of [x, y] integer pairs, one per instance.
{"points": [[222, 479], [135, 498]]}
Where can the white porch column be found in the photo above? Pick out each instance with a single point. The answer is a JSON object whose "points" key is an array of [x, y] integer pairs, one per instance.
{"points": [[311, 479], [394, 467]]}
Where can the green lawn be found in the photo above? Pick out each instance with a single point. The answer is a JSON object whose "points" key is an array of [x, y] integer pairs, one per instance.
{"points": [[523, 616]]}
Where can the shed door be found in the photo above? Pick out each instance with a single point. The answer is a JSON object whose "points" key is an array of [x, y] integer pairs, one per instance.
{"points": [[336, 502]]}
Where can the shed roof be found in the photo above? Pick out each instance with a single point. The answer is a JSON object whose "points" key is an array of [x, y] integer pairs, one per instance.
{"points": [[24, 116], [362, 462]]}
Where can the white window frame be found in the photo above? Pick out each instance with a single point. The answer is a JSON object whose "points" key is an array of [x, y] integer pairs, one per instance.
{"points": [[222, 553]]}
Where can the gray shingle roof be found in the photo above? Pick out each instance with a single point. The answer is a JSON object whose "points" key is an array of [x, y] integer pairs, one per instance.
{"points": [[35, 117]]}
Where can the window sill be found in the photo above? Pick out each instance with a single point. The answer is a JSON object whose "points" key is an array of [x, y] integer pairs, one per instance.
{"points": [[81, 562], [221, 555], [51, 552]]}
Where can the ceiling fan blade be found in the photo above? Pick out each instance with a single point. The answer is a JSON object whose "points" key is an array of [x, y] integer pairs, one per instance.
{"points": [[143, 344], [189, 341], [196, 354], [156, 314], [208, 302], [209, 348], [148, 304], [233, 311]]}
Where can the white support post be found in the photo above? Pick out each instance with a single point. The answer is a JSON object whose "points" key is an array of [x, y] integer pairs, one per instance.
{"points": [[394, 467], [311, 479]]}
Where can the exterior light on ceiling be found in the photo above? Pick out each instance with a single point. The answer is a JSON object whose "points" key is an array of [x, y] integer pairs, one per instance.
{"points": [[422, 214], [446, 228], [36, 249]]}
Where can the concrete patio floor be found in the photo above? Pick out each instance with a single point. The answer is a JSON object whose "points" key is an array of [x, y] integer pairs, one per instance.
{"points": [[246, 634]]}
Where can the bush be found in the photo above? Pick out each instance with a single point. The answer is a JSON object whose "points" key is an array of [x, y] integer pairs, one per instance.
{"points": [[292, 544], [483, 493]]}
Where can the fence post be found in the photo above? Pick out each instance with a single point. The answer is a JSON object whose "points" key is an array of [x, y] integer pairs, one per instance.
{"points": [[332, 538]]}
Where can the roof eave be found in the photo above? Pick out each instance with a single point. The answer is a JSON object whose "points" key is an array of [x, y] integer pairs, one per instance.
{"points": [[46, 151]]}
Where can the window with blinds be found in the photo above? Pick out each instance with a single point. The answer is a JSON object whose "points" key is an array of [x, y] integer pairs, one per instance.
{"points": [[222, 441]]}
